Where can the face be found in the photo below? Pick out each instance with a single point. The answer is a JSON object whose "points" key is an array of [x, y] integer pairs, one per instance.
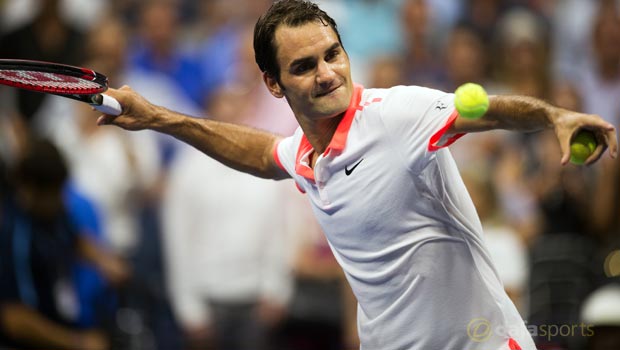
{"points": [[315, 76]]}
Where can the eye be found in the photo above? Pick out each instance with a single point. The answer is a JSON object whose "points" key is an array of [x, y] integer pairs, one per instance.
{"points": [[302, 68], [331, 55]]}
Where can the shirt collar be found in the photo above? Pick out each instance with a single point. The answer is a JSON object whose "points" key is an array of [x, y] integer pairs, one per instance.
{"points": [[339, 139], [337, 142]]}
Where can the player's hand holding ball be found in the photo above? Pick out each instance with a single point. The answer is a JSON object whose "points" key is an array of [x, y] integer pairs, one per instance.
{"points": [[582, 146], [471, 101]]}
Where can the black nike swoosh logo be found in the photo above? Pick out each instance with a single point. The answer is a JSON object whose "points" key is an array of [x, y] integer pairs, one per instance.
{"points": [[349, 171]]}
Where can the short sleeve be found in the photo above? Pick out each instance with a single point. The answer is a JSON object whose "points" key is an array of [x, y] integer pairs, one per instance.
{"points": [[285, 155], [416, 119]]}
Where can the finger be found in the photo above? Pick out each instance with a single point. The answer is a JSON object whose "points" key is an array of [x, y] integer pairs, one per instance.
{"points": [[612, 142], [118, 93], [596, 155]]}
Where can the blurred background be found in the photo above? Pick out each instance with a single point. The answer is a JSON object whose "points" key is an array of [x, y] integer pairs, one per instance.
{"points": [[118, 240]]}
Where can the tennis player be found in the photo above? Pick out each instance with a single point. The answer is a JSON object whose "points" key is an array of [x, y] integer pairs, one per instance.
{"points": [[382, 183]]}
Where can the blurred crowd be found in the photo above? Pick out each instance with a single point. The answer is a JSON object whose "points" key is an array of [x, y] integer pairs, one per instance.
{"points": [[119, 240]]}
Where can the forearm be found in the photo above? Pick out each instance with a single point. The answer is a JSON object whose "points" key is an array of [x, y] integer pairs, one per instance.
{"points": [[25, 325], [517, 113], [112, 267], [239, 147], [521, 113]]}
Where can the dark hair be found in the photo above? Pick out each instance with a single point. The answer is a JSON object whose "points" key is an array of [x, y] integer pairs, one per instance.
{"points": [[42, 166], [291, 13]]}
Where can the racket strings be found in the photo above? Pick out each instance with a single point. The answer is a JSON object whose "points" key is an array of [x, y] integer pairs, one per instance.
{"points": [[49, 82]]}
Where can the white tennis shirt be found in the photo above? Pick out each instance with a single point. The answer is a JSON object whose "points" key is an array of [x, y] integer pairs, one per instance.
{"points": [[399, 220]]}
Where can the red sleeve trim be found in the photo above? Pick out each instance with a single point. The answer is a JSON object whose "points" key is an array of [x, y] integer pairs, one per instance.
{"points": [[275, 155], [299, 188], [276, 158], [513, 345], [433, 143]]}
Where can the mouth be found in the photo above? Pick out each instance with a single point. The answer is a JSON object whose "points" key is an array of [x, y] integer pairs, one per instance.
{"points": [[327, 92]]}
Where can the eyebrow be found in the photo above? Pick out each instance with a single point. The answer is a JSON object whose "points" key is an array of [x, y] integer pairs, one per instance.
{"points": [[309, 58]]}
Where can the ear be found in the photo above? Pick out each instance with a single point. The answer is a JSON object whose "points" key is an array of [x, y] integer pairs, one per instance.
{"points": [[272, 84]]}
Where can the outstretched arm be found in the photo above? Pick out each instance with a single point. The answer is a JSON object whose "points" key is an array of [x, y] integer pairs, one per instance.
{"points": [[239, 147], [522, 113]]}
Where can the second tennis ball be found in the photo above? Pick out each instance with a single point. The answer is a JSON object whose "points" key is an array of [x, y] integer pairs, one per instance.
{"points": [[471, 101], [582, 146]]}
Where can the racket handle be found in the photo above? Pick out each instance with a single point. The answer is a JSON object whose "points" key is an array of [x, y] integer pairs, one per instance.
{"points": [[107, 104]]}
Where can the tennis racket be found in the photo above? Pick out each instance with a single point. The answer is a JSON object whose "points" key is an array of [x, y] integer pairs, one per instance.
{"points": [[80, 84]]}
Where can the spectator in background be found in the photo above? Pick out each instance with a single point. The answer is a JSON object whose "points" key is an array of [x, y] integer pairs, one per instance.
{"points": [[523, 54], [90, 286], [243, 96], [39, 247], [494, 161], [229, 275], [465, 56], [387, 71], [221, 29], [120, 194], [224, 39], [606, 214], [571, 39], [368, 28], [600, 83], [445, 14], [421, 45], [107, 48], [157, 48], [125, 188], [239, 312], [483, 15], [564, 266], [82, 14], [601, 314], [105, 167], [48, 37]]}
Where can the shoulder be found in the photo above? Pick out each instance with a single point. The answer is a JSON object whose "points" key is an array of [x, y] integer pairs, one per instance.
{"points": [[414, 92], [293, 140], [406, 101], [403, 95]]}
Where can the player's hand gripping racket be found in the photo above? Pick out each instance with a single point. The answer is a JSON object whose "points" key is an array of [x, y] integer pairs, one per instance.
{"points": [[80, 84]]}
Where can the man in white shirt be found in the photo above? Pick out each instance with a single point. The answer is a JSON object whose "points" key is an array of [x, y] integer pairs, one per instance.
{"points": [[225, 245], [383, 186]]}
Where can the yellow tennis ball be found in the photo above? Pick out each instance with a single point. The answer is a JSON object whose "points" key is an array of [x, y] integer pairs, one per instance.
{"points": [[582, 146], [471, 101]]}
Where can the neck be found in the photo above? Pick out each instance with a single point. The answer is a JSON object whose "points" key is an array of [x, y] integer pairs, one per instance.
{"points": [[320, 132]]}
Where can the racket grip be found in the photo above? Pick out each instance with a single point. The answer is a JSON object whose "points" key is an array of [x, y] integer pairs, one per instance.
{"points": [[107, 104]]}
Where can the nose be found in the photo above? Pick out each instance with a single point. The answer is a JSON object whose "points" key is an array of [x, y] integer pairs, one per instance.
{"points": [[324, 74]]}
